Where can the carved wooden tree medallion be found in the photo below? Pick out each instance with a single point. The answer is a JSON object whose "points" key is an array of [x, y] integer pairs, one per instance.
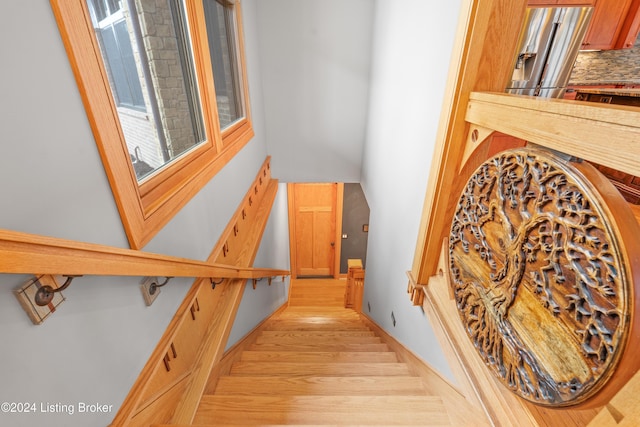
{"points": [[540, 277]]}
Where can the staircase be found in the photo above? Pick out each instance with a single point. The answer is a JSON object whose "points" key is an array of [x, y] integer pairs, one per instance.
{"points": [[318, 363]]}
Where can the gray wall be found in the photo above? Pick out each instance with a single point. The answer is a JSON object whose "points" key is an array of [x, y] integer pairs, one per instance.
{"points": [[411, 50], [355, 215], [315, 57], [53, 183]]}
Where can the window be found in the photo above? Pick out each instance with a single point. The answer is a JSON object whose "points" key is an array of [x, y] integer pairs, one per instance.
{"points": [[222, 37], [119, 58], [164, 86]]}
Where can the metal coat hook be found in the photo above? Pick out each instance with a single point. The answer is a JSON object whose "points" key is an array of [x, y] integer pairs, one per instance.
{"points": [[154, 286], [214, 283], [44, 295]]}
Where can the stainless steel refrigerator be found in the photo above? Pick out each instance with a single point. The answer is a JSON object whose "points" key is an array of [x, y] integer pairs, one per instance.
{"points": [[549, 43]]}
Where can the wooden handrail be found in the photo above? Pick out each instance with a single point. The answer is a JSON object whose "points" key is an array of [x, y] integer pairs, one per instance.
{"points": [[23, 253]]}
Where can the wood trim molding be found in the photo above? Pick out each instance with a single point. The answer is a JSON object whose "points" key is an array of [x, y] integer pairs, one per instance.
{"points": [[481, 61], [291, 206], [415, 290], [338, 238]]}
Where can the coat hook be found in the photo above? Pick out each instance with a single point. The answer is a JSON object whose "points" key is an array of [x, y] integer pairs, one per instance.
{"points": [[44, 295], [153, 287], [214, 283]]}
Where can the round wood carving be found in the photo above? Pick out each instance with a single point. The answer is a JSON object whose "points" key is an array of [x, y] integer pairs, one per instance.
{"points": [[540, 275]]}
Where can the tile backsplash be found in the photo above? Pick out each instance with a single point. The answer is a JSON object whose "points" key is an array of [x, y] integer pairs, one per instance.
{"points": [[607, 66]]}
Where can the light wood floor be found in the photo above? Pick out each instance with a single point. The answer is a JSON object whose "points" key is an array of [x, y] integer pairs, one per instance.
{"points": [[318, 363]]}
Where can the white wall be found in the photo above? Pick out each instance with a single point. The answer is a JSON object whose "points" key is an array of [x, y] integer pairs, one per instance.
{"points": [[411, 49], [52, 182], [315, 59]]}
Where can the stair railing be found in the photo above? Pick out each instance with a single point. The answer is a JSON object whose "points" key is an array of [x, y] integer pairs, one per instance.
{"points": [[22, 253]]}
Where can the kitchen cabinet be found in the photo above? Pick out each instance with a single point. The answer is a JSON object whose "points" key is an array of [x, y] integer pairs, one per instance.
{"points": [[630, 27], [615, 24], [609, 18]]}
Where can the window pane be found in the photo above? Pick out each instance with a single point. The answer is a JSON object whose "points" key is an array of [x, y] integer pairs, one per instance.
{"points": [[122, 66], [221, 32], [147, 54]]}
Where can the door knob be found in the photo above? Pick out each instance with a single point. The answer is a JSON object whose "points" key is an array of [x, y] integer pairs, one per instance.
{"points": [[333, 244]]}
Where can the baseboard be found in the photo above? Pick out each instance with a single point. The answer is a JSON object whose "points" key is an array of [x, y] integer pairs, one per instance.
{"points": [[460, 409], [416, 364]]}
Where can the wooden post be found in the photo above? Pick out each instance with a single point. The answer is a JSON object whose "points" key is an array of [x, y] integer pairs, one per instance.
{"points": [[355, 285]]}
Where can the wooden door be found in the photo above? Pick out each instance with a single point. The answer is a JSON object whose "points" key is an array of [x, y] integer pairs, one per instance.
{"points": [[313, 228]]}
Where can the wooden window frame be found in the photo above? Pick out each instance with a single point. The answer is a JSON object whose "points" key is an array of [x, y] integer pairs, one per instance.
{"points": [[146, 207]]}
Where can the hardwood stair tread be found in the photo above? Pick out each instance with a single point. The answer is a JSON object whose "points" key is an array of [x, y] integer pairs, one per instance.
{"points": [[319, 356], [311, 326], [311, 312], [338, 410], [321, 386], [314, 369], [356, 333], [317, 363], [318, 319], [309, 346], [317, 340]]}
